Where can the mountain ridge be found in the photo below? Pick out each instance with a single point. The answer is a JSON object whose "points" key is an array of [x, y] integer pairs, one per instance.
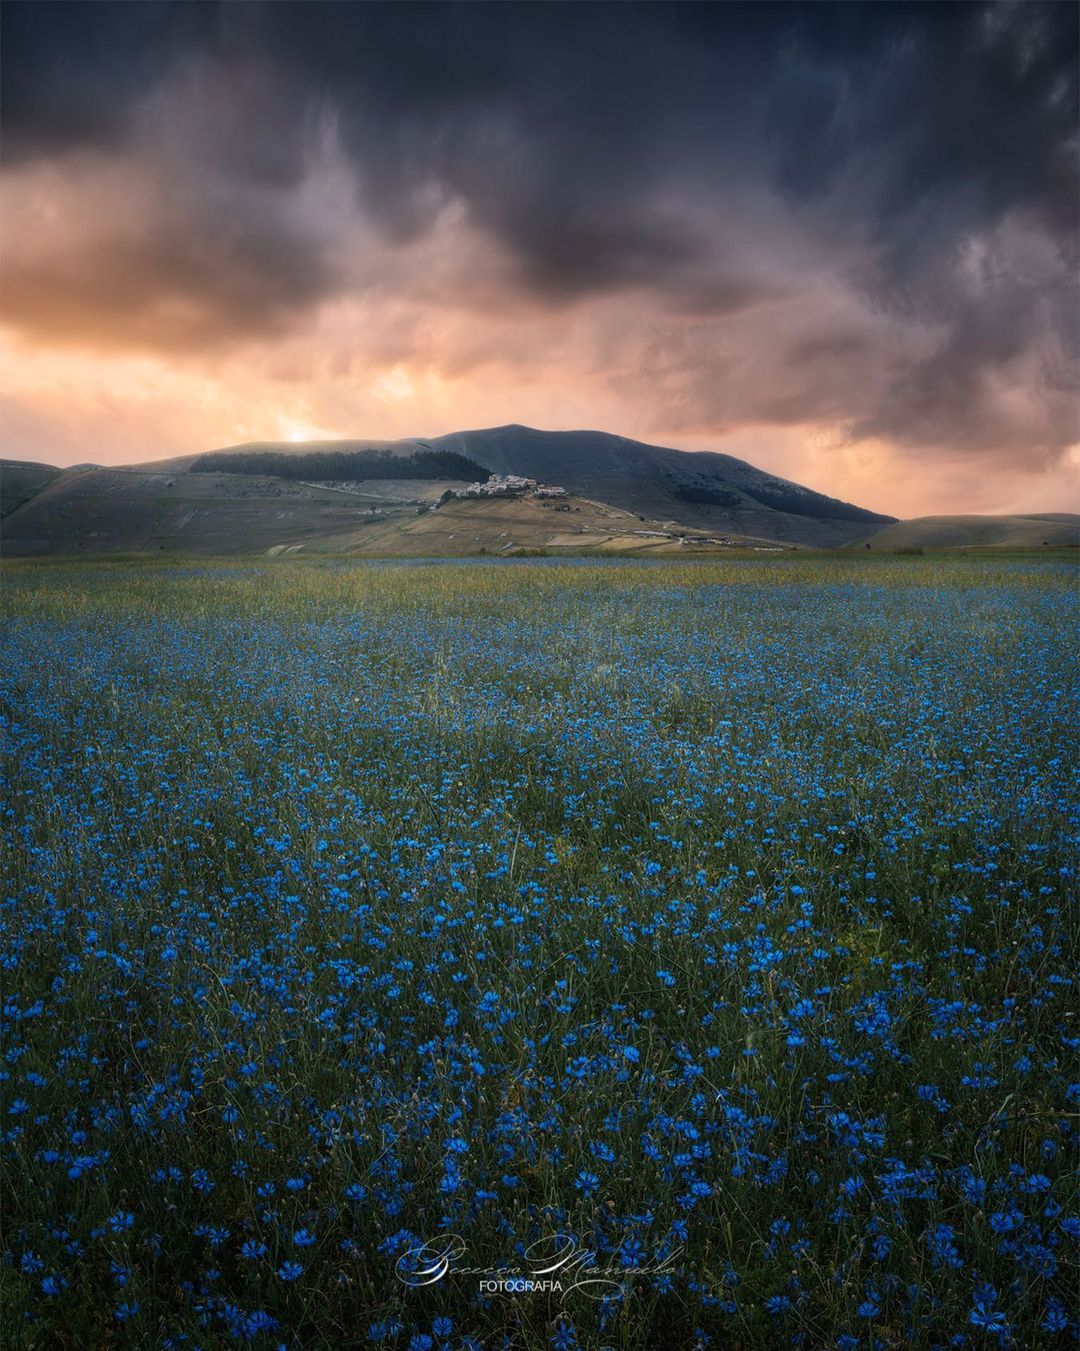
{"points": [[188, 504]]}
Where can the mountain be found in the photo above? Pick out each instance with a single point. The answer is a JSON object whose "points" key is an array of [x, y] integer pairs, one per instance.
{"points": [[198, 503], [698, 488], [978, 532], [127, 511]]}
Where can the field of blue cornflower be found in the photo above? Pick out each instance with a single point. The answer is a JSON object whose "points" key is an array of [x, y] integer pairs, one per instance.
{"points": [[693, 937]]}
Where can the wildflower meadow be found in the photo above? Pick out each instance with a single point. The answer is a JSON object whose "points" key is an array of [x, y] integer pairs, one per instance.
{"points": [[539, 954]]}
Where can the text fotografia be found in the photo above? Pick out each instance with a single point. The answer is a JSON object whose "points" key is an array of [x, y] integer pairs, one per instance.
{"points": [[519, 1285], [553, 1266]]}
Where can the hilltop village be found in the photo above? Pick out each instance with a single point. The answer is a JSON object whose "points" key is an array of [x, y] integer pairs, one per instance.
{"points": [[510, 485]]}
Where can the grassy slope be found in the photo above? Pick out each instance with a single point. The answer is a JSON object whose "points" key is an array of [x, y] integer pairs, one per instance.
{"points": [[505, 525], [21, 480], [965, 532], [123, 511]]}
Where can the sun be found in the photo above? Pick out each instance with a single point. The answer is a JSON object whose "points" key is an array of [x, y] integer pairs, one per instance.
{"points": [[292, 430]]}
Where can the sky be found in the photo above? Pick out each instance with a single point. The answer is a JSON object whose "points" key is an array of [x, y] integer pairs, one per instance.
{"points": [[839, 241]]}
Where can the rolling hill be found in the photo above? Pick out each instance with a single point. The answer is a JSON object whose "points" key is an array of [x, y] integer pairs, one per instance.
{"points": [[20, 480], [979, 532]]}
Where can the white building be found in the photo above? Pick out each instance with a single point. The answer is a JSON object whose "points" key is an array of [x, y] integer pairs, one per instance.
{"points": [[500, 485]]}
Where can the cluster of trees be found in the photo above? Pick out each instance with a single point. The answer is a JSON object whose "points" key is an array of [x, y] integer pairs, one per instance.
{"points": [[778, 497], [775, 495], [705, 494], [340, 465]]}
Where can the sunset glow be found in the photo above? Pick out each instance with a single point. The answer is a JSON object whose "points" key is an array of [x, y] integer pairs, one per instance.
{"points": [[218, 246]]}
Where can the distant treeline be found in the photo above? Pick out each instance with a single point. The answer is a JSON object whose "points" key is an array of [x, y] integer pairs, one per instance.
{"points": [[331, 465], [705, 494], [775, 495], [781, 498]]}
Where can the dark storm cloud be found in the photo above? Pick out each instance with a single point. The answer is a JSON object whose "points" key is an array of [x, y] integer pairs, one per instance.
{"points": [[74, 71], [609, 148], [593, 101]]}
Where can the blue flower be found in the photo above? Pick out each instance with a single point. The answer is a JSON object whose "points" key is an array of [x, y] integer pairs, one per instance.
{"points": [[258, 1321], [564, 1338], [983, 1314], [1055, 1319]]}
